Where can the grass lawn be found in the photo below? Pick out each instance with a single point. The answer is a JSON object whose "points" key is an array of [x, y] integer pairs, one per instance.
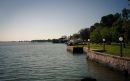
{"points": [[113, 49]]}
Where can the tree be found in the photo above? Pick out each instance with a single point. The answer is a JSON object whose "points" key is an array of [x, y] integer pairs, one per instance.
{"points": [[84, 33], [107, 34], [75, 36], [96, 36], [125, 14], [126, 30], [117, 30], [107, 20], [94, 26], [111, 27], [117, 17]]}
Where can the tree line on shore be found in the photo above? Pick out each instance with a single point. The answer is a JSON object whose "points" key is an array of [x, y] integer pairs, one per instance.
{"points": [[62, 39], [110, 27]]}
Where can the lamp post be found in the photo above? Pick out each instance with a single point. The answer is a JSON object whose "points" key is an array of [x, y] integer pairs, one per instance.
{"points": [[103, 43], [121, 39], [88, 44]]}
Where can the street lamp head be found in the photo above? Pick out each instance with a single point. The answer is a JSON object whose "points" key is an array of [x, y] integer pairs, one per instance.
{"points": [[103, 39], [88, 40], [120, 38]]}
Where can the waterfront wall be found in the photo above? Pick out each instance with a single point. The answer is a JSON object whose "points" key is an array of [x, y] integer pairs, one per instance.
{"points": [[116, 62], [74, 49]]}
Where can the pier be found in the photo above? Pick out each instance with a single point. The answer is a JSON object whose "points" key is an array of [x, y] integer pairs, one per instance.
{"points": [[75, 49]]}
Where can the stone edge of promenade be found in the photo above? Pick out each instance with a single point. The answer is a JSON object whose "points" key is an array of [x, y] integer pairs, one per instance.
{"points": [[116, 62]]}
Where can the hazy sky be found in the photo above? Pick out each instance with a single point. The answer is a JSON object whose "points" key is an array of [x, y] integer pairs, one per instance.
{"points": [[43, 19]]}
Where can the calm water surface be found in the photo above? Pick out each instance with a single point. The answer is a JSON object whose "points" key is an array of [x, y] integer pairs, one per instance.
{"points": [[49, 62]]}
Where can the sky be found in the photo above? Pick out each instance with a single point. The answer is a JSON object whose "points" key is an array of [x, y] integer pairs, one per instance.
{"points": [[48, 19]]}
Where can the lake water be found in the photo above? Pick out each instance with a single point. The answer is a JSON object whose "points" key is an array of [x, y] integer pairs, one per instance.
{"points": [[49, 62]]}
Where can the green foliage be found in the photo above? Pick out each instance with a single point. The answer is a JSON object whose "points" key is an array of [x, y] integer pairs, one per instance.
{"points": [[84, 33], [116, 30], [111, 27], [107, 34], [96, 25], [107, 20], [96, 36], [75, 36], [125, 13], [126, 28]]}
